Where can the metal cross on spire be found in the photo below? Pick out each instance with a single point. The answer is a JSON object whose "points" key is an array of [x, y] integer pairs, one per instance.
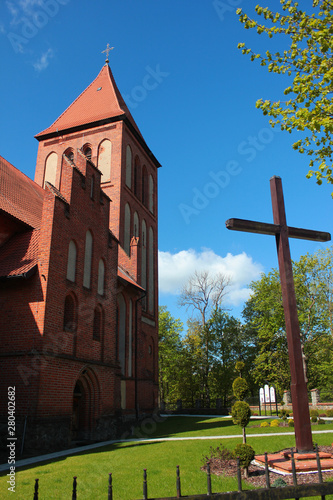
{"points": [[107, 50], [282, 232]]}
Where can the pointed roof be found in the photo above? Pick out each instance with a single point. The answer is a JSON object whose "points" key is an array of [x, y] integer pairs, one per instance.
{"points": [[100, 101]]}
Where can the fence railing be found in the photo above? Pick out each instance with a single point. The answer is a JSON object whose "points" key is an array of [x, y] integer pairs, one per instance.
{"points": [[295, 490]]}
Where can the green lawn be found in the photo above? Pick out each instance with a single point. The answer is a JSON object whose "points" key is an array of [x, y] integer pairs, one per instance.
{"points": [[126, 461]]}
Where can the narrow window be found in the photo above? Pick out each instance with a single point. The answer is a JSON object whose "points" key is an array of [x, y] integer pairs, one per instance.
{"points": [[144, 186], [51, 169], [151, 194], [122, 332], [87, 260], [127, 229], [70, 314], [87, 152], [136, 177], [151, 288], [71, 261], [144, 260], [128, 177], [92, 187], [104, 159], [136, 225], [69, 153], [101, 272]]}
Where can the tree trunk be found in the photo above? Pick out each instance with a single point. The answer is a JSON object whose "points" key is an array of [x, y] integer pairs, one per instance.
{"points": [[244, 436]]}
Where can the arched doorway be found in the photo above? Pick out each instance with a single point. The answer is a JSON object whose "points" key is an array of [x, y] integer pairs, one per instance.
{"points": [[85, 406]]}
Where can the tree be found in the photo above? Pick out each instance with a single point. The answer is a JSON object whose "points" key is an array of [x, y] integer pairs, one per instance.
{"points": [[203, 293], [308, 61], [170, 354], [264, 314]]}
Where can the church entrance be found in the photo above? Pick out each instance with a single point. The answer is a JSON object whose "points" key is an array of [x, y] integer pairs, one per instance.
{"points": [[84, 406]]}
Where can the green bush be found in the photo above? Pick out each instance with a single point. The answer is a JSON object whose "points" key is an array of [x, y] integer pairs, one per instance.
{"points": [[264, 424], [221, 453], [284, 414], [245, 452], [314, 419], [329, 413], [240, 388], [291, 423], [321, 421], [274, 423], [314, 413], [241, 413], [279, 483]]}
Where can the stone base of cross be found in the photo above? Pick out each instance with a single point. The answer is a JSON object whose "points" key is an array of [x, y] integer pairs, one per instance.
{"points": [[298, 389]]}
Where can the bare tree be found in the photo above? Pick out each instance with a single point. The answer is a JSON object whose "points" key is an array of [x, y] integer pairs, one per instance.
{"points": [[203, 293]]}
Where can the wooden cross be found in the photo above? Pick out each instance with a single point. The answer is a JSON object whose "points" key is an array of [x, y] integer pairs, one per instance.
{"points": [[107, 50], [282, 232]]}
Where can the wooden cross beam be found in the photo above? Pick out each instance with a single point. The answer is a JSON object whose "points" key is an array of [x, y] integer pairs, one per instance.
{"points": [[282, 232]]}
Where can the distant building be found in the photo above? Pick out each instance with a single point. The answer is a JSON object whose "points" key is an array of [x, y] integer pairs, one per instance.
{"points": [[78, 275]]}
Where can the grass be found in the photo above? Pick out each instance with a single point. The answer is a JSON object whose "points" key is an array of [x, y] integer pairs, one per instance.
{"points": [[126, 461]]}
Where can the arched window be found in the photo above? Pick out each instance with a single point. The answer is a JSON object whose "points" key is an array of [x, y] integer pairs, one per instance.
{"points": [[71, 261], [151, 194], [100, 282], [130, 338], [98, 323], [137, 177], [136, 225], [144, 260], [128, 177], [144, 186], [121, 332], [87, 151], [51, 169], [104, 159], [70, 314], [69, 153], [87, 260], [151, 291], [127, 229]]}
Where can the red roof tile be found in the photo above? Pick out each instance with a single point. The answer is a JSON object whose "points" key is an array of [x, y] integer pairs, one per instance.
{"points": [[100, 101], [19, 255], [20, 196]]}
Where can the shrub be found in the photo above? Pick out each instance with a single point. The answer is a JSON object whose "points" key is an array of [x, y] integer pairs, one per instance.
{"points": [[245, 452], [291, 423], [274, 423], [221, 453], [264, 424], [240, 388], [279, 483], [314, 419], [329, 413], [314, 413], [284, 414], [321, 421], [241, 413]]}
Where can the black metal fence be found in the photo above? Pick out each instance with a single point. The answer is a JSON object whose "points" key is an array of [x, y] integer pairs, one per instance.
{"points": [[296, 491]]}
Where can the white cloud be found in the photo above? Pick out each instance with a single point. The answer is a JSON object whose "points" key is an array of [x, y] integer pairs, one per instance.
{"points": [[175, 269], [43, 62]]}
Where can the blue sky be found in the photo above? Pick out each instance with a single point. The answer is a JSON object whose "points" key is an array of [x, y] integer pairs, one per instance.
{"points": [[217, 150]]}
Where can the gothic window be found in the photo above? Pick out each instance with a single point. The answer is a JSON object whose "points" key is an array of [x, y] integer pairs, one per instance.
{"points": [[69, 153], [151, 291], [144, 186], [144, 260], [130, 338], [104, 159], [151, 194], [87, 152], [136, 225], [51, 169], [98, 323], [128, 177], [121, 332], [92, 187], [127, 229], [87, 260], [70, 314], [71, 261], [101, 273], [137, 177]]}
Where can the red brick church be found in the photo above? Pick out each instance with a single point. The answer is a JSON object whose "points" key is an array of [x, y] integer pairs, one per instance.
{"points": [[78, 275]]}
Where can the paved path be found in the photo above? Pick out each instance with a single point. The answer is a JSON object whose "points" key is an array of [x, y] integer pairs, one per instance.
{"points": [[80, 449]]}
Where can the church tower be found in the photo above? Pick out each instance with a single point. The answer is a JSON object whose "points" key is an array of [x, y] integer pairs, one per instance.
{"points": [[86, 287]]}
